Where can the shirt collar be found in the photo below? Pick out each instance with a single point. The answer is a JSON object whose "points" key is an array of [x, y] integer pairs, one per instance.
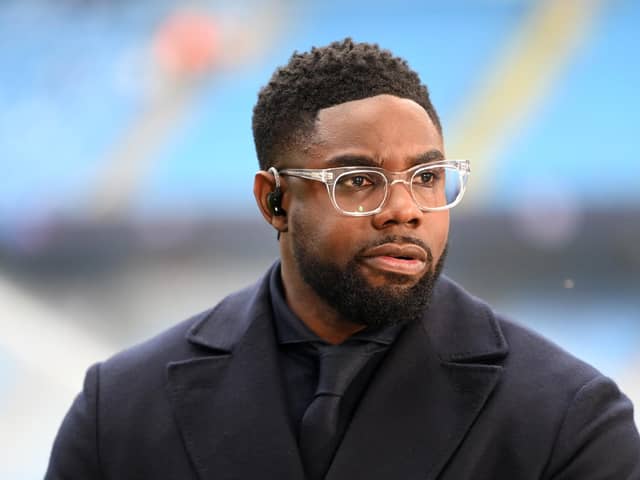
{"points": [[290, 329]]}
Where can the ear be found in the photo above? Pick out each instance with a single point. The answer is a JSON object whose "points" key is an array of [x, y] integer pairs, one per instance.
{"points": [[263, 185]]}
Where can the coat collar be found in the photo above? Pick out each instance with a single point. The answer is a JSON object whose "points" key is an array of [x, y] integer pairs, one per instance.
{"points": [[229, 402], [461, 328], [217, 332], [231, 408]]}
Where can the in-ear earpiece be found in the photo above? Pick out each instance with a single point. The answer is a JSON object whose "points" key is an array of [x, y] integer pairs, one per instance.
{"points": [[274, 199]]}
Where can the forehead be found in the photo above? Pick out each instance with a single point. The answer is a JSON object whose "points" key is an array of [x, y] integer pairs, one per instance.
{"points": [[387, 129]]}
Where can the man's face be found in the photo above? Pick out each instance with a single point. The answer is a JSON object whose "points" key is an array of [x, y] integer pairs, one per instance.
{"points": [[376, 269]]}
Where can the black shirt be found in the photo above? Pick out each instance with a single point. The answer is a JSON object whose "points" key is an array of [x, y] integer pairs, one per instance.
{"points": [[299, 349]]}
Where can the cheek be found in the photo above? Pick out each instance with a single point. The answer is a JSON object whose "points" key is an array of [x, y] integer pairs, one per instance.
{"points": [[312, 226], [439, 231], [331, 236], [337, 235]]}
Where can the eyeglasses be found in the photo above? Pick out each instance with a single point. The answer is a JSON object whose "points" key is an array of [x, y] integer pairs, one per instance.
{"points": [[361, 191]]}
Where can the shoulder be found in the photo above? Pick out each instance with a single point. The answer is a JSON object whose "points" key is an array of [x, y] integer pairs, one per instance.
{"points": [[469, 323], [548, 402], [589, 420], [529, 349], [163, 347], [214, 329], [536, 373]]}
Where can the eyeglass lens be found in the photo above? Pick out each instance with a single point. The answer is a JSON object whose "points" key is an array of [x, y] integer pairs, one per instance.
{"points": [[364, 190]]}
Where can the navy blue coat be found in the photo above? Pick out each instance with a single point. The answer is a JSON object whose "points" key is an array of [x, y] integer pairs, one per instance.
{"points": [[462, 395]]}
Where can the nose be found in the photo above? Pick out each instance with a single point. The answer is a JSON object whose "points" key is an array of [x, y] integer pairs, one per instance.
{"points": [[399, 208]]}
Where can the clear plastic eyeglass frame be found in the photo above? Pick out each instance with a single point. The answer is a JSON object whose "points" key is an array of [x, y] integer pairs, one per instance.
{"points": [[330, 177]]}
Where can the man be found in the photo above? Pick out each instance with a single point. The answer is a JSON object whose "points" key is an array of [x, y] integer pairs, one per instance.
{"points": [[352, 358]]}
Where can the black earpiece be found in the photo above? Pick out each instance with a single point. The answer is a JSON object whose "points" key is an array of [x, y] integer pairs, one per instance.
{"points": [[274, 199]]}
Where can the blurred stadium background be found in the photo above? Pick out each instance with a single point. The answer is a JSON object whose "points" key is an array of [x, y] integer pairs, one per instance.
{"points": [[126, 165]]}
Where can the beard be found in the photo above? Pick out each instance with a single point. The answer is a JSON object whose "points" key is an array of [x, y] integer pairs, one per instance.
{"points": [[348, 292]]}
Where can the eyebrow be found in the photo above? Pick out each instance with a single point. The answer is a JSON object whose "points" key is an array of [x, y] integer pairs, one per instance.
{"points": [[429, 156], [354, 160]]}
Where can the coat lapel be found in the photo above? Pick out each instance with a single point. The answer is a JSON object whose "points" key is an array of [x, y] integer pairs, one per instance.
{"points": [[426, 395], [230, 404]]}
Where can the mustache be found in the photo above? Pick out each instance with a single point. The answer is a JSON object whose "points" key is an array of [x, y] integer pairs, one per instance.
{"points": [[400, 239]]}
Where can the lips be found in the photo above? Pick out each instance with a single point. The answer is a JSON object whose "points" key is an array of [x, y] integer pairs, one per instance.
{"points": [[396, 250], [404, 259]]}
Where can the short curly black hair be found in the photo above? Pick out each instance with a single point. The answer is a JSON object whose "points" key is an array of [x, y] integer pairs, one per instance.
{"points": [[340, 72]]}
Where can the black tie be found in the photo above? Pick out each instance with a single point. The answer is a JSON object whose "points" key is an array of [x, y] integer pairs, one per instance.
{"points": [[322, 423]]}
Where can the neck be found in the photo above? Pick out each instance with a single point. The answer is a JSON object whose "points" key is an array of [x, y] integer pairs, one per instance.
{"points": [[320, 318]]}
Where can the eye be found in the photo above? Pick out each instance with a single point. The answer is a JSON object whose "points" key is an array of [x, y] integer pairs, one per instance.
{"points": [[428, 178], [357, 180]]}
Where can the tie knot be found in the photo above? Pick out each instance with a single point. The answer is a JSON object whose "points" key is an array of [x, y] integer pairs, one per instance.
{"points": [[339, 365]]}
